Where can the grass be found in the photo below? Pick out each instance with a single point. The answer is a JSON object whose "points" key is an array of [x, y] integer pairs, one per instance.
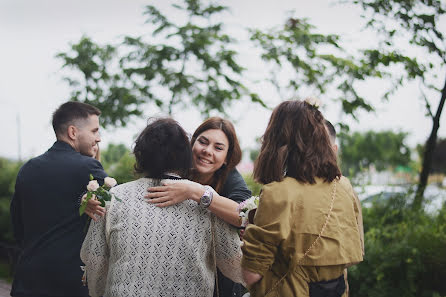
{"points": [[4, 272]]}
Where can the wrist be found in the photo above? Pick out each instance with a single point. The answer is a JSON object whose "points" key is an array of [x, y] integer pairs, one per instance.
{"points": [[207, 197], [196, 191]]}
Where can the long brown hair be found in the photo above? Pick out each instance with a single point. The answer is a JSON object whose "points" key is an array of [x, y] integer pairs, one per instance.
{"points": [[296, 144], [234, 152]]}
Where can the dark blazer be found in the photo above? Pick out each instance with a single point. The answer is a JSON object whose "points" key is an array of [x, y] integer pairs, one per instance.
{"points": [[46, 222]]}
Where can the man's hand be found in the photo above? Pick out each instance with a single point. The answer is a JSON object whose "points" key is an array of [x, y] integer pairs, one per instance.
{"points": [[94, 209]]}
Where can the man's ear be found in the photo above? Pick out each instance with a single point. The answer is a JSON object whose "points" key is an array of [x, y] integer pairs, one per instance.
{"points": [[72, 132]]}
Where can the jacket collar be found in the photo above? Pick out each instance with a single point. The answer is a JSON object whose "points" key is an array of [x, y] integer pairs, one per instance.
{"points": [[61, 146]]}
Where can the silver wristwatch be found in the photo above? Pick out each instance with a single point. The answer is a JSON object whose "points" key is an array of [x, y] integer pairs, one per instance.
{"points": [[206, 199]]}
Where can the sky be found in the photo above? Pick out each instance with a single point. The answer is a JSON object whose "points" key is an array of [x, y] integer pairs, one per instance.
{"points": [[31, 85]]}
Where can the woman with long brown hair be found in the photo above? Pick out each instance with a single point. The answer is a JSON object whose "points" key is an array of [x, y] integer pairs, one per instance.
{"points": [[216, 152], [305, 229]]}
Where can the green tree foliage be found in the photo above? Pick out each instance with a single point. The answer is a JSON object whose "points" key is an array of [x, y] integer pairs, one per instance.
{"points": [[404, 252], [315, 62], [180, 64], [384, 150], [112, 154], [8, 174], [252, 184], [414, 45], [119, 163], [98, 81]]}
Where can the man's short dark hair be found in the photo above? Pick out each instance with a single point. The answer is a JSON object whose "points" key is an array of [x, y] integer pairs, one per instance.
{"points": [[331, 130], [163, 146], [69, 112]]}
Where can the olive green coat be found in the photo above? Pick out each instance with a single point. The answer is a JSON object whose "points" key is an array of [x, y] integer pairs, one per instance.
{"points": [[288, 220]]}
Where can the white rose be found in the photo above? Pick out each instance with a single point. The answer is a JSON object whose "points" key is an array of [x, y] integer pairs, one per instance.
{"points": [[110, 182], [93, 185]]}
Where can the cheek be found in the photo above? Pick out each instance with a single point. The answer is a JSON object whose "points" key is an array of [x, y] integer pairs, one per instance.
{"points": [[222, 157], [195, 151]]}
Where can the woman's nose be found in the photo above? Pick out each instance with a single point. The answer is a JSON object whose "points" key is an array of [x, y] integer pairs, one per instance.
{"points": [[206, 150]]}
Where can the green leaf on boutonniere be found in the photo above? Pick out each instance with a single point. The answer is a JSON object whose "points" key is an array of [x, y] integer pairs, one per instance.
{"points": [[91, 177]]}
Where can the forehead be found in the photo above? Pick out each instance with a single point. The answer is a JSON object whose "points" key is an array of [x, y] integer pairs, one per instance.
{"points": [[215, 136]]}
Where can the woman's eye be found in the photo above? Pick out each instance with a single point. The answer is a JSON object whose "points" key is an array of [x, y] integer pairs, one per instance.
{"points": [[218, 148], [201, 141]]}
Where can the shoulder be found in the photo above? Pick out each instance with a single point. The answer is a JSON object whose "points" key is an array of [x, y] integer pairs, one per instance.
{"points": [[345, 182], [92, 165], [346, 186], [32, 167], [235, 187], [283, 185], [281, 191], [234, 179], [125, 186]]}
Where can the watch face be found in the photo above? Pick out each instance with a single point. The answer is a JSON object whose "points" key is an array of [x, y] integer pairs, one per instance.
{"points": [[206, 200]]}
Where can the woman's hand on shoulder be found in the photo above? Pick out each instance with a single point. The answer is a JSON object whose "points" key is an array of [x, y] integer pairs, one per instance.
{"points": [[173, 193]]}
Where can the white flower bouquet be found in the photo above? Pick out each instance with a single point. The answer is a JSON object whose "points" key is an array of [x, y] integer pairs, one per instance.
{"points": [[247, 209], [97, 192]]}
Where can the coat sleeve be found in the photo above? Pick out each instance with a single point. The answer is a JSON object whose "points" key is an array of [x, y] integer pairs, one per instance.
{"points": [[96, 169], [95, 255], [358, 213], [227, 250], [272, 225], [16, 214]]}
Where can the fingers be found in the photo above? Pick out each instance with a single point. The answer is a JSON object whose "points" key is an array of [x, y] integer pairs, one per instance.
{"points": [[165, 204], [162, 188], [93, 207], [158, 200], [91, 215], [162, 201], [92, 203], [100, 211], [155, 195]]}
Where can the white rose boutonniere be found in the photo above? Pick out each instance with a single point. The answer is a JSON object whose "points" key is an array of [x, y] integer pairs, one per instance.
{"points": [[97, 192]]}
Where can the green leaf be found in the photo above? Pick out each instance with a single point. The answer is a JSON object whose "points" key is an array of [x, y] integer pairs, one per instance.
{"points": [[82, 208]]}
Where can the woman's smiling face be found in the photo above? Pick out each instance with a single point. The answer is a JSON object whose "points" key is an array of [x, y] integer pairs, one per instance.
{"points": [[209, 152]]}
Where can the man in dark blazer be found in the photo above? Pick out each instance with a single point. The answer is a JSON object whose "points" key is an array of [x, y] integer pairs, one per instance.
{"points": [[45, 206]]}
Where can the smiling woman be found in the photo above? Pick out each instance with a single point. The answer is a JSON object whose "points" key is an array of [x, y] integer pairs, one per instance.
{"points": [[216, 152]]}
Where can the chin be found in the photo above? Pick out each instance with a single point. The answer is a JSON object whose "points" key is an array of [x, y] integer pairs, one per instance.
{"points": [[88, 154]]}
